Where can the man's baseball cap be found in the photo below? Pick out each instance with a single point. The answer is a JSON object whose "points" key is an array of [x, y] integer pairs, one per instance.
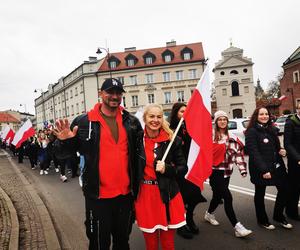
{"points": [[112, 83]]}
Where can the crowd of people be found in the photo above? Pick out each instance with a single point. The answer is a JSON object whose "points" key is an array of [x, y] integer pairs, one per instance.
{"points": [[126, 175]]}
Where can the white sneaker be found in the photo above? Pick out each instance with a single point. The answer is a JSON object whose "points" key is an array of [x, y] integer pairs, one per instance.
{"points": [[211, 219], [46, 172], [56, 170], [240, 230], [63, 178], [41, 172]]}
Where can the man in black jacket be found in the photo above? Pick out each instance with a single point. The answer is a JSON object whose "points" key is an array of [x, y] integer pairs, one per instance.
{"points": [[292, 146], [106, 137]]}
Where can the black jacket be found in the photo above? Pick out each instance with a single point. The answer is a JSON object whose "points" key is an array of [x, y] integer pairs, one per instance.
{"points": [[262, 146], [87, 143], [175, 165], [292, 143]]}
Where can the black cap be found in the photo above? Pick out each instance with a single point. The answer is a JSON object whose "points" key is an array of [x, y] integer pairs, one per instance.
{"points": [[112, 83]]}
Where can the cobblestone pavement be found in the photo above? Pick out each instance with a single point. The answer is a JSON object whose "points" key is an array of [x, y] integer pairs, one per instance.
{"points": [[5, 224], [31, 235]]}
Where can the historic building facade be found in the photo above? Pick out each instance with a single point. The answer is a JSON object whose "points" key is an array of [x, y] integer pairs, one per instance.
{"points": [[290, 82], [235, 92], [158, 75]]}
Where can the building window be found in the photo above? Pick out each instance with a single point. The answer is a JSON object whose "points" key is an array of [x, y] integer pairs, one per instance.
{"points": [[193, 73], [235, 88], [245, 70], [246, 89], [233, 72], [71, 93], [167, 97], [67, 96], [150, 98], [121, 79], [180, 96], [179, 75], [112, 64], [166, 76], [76, 91], [224, 92], [77, 108], [168, 58], [149, 60], [134, 100], [296, 77], [82, 107], [186, 56], [149, 78], [222, 73], [59, 100], [72, 109], [130, 62], [81, 88], [124, 101], [133, 80]]}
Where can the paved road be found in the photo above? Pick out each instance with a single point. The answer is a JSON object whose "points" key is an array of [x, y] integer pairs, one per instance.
{"points": [[66, 205]]}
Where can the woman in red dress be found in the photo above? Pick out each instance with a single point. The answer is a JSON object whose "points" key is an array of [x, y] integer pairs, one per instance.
{"points": [[159, 206]]}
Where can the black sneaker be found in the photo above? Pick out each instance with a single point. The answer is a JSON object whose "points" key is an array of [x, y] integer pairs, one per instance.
{"points": [[185, 233], [192, 227]]}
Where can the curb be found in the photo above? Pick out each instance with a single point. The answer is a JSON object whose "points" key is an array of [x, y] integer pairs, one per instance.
{"points": [[51, 238], [14, 233]]}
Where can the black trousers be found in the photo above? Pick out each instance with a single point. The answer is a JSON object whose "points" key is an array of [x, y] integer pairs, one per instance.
{"points": [[280, 203], [219, 186], [294, 192], [106, 218]]}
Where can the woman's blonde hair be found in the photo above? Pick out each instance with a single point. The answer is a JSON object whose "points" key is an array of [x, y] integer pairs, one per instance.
{"points": [[165, 125]]}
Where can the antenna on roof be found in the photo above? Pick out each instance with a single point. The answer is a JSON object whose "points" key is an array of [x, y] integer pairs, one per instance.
{"points": [[230, 40]]}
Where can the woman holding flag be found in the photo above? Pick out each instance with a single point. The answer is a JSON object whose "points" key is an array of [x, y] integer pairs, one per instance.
{"points": [[191, 193], [159, 207], [227, 151]]}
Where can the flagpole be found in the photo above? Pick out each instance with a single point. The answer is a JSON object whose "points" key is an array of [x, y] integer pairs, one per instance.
{"points": [[173, 138]]}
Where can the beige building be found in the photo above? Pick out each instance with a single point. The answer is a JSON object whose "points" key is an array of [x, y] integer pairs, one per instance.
{"points": [[162, 75], [235, 92], [159, 75]]}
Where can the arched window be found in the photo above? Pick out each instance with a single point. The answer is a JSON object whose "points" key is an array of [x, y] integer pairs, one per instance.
{"points": [[237, 113], [233, 72], [235, 88]]}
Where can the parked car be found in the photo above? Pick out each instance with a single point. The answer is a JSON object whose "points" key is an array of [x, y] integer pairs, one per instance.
{"points": [[238, 127], [280, 122]]}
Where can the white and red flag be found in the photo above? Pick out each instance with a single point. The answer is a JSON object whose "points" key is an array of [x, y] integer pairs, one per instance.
{"points": [[198, 122], [7, 134], [23, 134], [282, 98]]}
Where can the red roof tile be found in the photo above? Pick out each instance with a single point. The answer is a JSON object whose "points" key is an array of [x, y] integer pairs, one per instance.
{"points": [[198, 55], [4, 117]]}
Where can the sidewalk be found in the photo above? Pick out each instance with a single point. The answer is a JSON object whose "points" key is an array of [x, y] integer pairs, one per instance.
{"points": [[36, 230]]}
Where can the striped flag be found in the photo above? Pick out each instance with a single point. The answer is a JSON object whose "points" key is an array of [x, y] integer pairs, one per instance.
{"points": [[198, 121], [23, 134]]}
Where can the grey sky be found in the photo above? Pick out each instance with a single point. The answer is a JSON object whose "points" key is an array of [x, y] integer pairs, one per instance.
{"points": [[42, 41]]}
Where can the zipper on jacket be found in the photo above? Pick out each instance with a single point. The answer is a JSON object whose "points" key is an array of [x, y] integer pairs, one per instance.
{"points": [[91, 221]]}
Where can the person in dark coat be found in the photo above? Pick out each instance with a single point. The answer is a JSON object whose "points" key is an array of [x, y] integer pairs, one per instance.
{"points": [[191, 193], [32, 151], [266, 166], [292, 146]]}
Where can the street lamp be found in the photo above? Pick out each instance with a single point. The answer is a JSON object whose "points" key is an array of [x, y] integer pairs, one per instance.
{"points": [[290, 90], [99, 51], [24, 107], [43, 107]]}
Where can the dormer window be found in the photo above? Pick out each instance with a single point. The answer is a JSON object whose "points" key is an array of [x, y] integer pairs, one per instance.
{"points": [[168, 55], [186, 53], [149, 58], [113, 62], [131, 60]]}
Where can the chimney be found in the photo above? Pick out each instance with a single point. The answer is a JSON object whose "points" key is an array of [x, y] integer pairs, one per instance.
{"points": [[130, 49], [171, 44], [92, 58]]}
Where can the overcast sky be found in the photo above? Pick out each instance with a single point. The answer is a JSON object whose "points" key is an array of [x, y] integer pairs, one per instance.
{"points": [[41, 41]]}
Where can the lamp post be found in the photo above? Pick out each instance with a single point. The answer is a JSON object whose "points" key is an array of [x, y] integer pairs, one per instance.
{"points": [[99, 51], [43, 107], [290, 90]]}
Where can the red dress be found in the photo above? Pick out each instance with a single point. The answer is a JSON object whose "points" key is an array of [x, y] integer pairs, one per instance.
{"points": [[149, 207]]}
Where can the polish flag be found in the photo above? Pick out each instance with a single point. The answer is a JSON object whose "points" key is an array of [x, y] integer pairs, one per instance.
{"points": [[23, 134], [281, 98], [7, 133], [198, 121]]}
